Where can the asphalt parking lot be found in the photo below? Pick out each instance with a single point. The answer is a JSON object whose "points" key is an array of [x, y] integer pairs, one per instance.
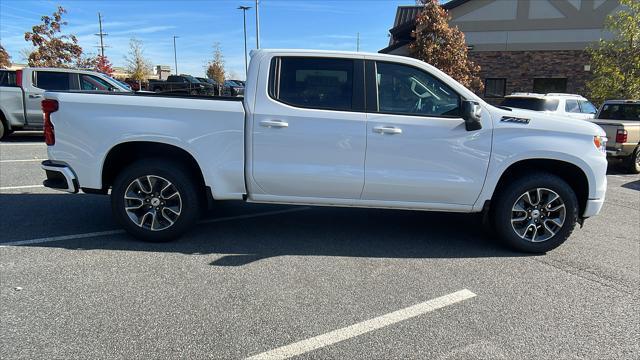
{"points": [[284, 281]]}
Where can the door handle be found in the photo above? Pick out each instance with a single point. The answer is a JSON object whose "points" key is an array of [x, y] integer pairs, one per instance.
{"points": [[35, 96], [274, 123], [387, 130]]}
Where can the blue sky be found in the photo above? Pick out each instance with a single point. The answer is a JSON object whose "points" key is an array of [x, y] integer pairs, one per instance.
{"points": [[328, 24]]}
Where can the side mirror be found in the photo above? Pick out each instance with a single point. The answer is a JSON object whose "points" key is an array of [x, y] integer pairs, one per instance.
{"points": [[471, 112]]}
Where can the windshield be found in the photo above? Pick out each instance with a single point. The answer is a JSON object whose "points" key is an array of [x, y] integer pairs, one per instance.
{"points": [[123, 85], [528, 103], [620, 112]]}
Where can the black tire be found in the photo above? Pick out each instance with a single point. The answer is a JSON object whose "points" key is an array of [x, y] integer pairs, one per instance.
{"points": [[504, 202], [2, 130], [183, 182], [633, 162]]}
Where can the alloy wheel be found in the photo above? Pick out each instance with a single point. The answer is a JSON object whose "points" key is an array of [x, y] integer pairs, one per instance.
{"points": [[152, 202], [538, 214]]}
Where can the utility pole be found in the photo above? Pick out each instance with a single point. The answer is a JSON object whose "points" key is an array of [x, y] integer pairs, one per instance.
{"points": [[101, 35], [175, 54], [257, 25], [358, 42], [244, 20]]}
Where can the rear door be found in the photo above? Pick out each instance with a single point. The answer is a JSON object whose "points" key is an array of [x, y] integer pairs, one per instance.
{"points": [[309, 129], [43, 80], [418, 149]]}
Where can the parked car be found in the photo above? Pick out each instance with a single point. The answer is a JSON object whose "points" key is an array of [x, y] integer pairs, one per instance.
{"points": [[314, 133], [185, 84], [620, 119], [214, 87], [233, 88], [570, 105], [21, 93]]}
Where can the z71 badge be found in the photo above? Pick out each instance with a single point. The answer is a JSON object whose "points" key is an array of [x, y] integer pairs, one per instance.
{"points": [[515, 120]]}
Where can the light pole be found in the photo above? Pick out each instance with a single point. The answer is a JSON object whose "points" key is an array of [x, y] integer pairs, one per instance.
{"points": [[244, 21], [175, 54], [257, 25]]}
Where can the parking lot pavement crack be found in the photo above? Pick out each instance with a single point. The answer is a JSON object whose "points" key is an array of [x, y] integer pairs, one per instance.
{"points": [[588, 275]]}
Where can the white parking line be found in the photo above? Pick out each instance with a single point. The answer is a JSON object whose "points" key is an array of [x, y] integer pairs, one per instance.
{"points": [[364, 327], [115, 232], [20, 187], [21, 160]]}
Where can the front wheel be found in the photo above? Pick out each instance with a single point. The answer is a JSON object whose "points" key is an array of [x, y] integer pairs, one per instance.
{"points": [[155, 200], [536, 213]]}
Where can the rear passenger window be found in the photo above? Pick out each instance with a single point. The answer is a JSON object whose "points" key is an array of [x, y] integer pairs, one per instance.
{"points": [[571, 106], [8, 78], [52, 80], [317, 83]]}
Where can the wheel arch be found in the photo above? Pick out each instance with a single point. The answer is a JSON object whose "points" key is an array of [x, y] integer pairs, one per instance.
{"points": [[126, 153], [571, 173]]}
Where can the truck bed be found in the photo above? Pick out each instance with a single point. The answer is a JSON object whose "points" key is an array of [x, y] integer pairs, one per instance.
{"points": [[210, 129]]}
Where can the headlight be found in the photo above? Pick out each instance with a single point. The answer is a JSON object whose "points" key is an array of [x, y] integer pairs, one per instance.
{"points": [[600, 143]]}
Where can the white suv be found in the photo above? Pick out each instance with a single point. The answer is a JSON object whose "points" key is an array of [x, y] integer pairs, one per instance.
{"points": [[571, 105]]}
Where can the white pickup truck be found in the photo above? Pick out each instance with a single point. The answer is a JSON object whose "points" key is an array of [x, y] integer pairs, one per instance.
{"points": [[334, 129], [21, 93]]}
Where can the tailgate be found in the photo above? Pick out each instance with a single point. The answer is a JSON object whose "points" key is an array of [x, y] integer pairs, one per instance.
{"points": [[610, 128]]}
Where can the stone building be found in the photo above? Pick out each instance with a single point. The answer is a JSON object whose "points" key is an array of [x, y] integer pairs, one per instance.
{"points": [[520, 45]]}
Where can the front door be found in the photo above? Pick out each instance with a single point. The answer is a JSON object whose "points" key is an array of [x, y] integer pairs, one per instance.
{"points": [[309, 129], [418, 149]]}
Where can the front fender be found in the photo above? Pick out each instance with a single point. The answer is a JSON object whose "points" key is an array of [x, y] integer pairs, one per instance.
{"points": [[576, 149]]}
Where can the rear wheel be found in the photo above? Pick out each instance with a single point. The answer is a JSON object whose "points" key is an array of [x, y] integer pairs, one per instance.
{"points": [[633, 161], [536, 213], [155, 200]]}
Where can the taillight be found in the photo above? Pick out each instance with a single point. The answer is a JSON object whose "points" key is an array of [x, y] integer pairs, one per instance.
{"points": [[49, 106], [19, 78], [621, 136]]}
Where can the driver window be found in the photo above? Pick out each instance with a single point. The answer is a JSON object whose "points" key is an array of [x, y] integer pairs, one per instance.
{"points": [[89, 82], [408, 90]]}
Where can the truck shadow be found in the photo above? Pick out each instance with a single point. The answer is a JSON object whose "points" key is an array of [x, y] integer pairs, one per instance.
{"points": [[633, 185], [233, 241]]}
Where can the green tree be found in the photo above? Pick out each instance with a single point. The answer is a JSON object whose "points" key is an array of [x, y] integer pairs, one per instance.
{"points": [[215, 67], [138, 66], [5, 59], [443, 46], [52, 49], [615, 63]]}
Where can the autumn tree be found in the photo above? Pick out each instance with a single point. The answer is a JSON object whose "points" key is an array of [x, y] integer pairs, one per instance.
{"points": [[615, 63], [443, 46], [138, 66], [87, 62], [104, 66], [5, 59], [215, 67], [52, 48]]}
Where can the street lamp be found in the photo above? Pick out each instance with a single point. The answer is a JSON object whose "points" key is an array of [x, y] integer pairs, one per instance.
{"points": [[257, 25], [244, 19], [175, 54]]}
